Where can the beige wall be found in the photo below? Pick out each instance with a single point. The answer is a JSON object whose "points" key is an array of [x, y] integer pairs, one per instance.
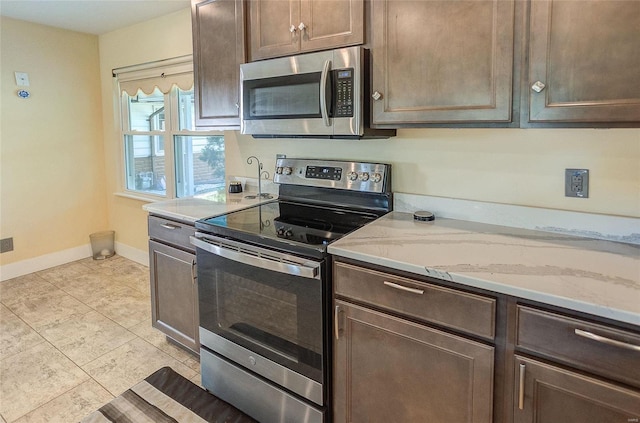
{"points": [[52, 181], [161, 38], [55, 176], [511, 166]]}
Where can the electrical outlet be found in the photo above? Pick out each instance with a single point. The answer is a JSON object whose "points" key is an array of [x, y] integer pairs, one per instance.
{"points": [[6, 245], [576, 183]]}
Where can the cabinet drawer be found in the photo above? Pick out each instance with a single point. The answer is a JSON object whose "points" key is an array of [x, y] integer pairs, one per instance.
{"points": [[171, 232], [448, 307], [599, 349]]}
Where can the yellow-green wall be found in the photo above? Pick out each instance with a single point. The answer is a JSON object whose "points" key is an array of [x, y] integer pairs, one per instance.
{"points": [[61, 150], [52, 180], [162, 38], [511, 166]]}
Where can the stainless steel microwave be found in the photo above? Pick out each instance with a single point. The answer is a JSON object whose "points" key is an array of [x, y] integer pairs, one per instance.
{"points": [[317, 95]]}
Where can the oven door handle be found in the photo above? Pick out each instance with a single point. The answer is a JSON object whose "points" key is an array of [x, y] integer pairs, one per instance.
{"points": [[273, 261]]}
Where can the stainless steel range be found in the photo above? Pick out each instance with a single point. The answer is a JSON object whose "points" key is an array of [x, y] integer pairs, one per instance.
{"points": [[264, 285]]}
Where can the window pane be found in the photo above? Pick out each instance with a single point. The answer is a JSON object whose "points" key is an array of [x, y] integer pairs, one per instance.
{"points": [[186, 106], [199, 164], [146, 112], [144, 169]]}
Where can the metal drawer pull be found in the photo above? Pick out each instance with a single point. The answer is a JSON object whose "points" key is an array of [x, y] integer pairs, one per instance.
{"points": [[336, 327], [607, 341], [170, 226], [404, 288], [521, 387]]}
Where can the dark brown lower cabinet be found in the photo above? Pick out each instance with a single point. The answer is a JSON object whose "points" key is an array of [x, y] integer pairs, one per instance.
{"points": [[387, 369], [174, 294], [550, 394]]}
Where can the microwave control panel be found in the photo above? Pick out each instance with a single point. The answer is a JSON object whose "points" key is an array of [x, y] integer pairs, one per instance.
{"points": [[344, 92]]}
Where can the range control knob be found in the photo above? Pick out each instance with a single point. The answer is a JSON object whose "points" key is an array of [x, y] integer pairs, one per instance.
{"points": [[279, 170], [353, 176], [280, 231], [376, 177], [364, 176], [288, 233], [287, 170]]}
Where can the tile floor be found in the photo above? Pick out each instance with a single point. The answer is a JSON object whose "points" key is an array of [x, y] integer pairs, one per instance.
{"points": [[75, 336]]}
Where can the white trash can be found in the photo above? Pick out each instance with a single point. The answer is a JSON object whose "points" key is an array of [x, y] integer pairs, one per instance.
{"points": [[102, 244]]}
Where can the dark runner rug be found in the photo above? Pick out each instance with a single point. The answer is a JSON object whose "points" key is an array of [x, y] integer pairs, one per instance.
{"points": [[166, 396]]}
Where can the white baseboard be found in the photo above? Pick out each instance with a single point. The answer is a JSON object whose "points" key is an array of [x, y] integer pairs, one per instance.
{"points": [[35, 264], [134, 254]]}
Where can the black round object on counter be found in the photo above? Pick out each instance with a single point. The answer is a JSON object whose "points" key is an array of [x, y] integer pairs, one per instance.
{"points": [[235, 187], [423, 216]]}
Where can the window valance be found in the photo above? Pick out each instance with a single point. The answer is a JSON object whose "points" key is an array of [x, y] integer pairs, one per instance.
{"points": [[163, 74]]}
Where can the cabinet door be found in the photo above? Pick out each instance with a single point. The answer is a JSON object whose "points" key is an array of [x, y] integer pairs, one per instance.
{"points": [[174, 294], [442, 61], [218, 51], [548, 394], [390, 370], [587, 53], [273, 28], [331, 23]]}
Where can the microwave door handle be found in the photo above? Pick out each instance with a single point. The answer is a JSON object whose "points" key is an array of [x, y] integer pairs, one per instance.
{"points": [[323, 93]]}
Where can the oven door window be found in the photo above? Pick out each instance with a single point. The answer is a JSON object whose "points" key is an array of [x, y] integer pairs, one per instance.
{"points": [[276, 315], [285, 97]]}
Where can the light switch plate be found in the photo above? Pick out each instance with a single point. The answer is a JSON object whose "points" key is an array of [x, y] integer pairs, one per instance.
{"points": [[22, 79]]}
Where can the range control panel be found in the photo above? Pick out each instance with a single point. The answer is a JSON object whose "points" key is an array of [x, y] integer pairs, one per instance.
{"points": [[356, 176]]}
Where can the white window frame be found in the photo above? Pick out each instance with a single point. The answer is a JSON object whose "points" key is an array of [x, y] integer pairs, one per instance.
{"points": [[170, 132]]}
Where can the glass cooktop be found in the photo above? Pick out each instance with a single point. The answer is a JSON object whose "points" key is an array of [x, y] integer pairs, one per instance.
{"points": [[313, 226]]}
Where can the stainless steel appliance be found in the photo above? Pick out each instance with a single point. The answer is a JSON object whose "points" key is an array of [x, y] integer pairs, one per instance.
{"points": [[319, 95], [264, 286]]}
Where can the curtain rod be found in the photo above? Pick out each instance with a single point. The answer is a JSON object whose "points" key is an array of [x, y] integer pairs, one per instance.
{"points": [[148, 65]]}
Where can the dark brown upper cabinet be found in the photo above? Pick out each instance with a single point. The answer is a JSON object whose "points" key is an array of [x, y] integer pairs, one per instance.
{"points": [[281, 28], [218, 51], [442, 61], [584, 62]]}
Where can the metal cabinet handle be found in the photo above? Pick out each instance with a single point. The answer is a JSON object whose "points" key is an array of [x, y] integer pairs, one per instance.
{"points": [[237, 105], [605, 340], [404, 288], [336, 325], [521, 387], [170, 226], [538, 86], [293, 29], [193, 271], [376, 96]]}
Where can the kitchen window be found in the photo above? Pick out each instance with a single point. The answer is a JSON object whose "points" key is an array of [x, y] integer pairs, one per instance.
{"points": [[164, 155]]}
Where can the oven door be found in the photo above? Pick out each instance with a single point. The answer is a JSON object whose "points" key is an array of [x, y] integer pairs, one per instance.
{"points": [[264, 310]]}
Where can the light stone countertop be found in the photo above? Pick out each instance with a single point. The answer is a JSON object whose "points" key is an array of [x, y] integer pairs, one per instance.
{"points": [[201, 206], [593, 276]]}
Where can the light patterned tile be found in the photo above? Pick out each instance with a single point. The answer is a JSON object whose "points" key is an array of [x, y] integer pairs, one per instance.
{"points": [[15, 335], [33, 378], [60, 274], [71, 406], [87, 337], [126, 306], [92, 287], [159, 340], [127, 365], [48, 309], [17, 289]]}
